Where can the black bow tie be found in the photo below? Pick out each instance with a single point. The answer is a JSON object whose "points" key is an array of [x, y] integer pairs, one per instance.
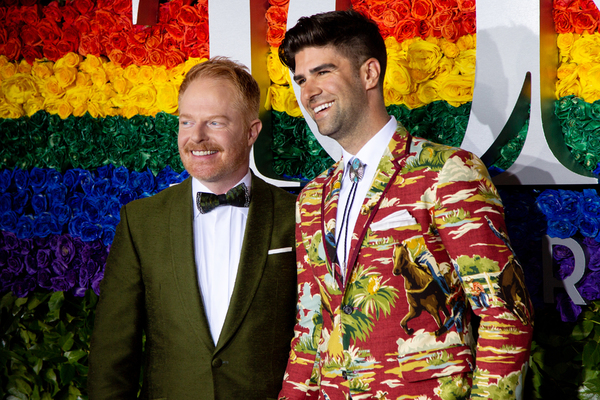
{"points": [[239, 196]]}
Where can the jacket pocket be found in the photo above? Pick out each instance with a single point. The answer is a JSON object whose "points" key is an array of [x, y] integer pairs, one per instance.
{"points": [[431, 364]]}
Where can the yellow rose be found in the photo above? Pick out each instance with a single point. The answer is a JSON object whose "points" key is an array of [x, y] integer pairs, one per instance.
{"points": [[449, 49], [7, 70], [445, 68], [113, 70], [91, 63], [119, 100], [412, 101], [33, 105], [160, 75], [51, 88], [83, 79], [391, 96], [591, 84], [466, 42], [398, 77], [586, 49], [132, 73], [465, 62], [77, 97], [428, 91], [565, 70], [4, 60], [129, 111], [190, 62], [456, 89], [167, 97], [65, 76], [109, 110], [278, 73], [564, 42], [59, 106], [176, 73], [9, 110], [121, 85], [98, 77], [567, 86], [24, 67], [70, 60], [146, 74], [143, 96], [96, 110], [42, 69], [283, 99], [423, 57], [19, 88], [393, 49]]}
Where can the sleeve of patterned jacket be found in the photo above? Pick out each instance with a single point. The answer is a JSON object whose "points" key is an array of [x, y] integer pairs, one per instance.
{"points": [[304, 355], [467, 213]]}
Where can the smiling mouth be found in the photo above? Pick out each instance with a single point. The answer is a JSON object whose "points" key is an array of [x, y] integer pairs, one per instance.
{"points": [[203, 152], [322, 107]]}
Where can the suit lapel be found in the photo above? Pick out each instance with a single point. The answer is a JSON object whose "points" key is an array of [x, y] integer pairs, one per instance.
{"points": [[257, 239], [329, 205], [183, 264], [392, 161]]}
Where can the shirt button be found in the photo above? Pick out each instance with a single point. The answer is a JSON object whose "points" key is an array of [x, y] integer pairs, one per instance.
{"points": [[348, 309], [217, 362], [344, 375]]}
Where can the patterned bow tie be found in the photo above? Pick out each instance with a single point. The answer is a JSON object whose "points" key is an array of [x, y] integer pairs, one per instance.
{"points": [[357, 169], [239, 196]]}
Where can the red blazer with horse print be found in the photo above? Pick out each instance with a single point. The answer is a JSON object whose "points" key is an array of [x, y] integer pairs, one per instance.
{"points": [[428, 249]]}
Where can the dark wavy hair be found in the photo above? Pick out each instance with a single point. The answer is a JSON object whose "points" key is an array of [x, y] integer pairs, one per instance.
{"points": [[349, 32]]}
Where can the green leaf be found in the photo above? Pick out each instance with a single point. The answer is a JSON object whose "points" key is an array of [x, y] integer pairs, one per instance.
{"points": [[75, 355], [591, 355], [56, 301], [37, 366], [19, 302], [582, 330], [66, 341], [67, 373]]}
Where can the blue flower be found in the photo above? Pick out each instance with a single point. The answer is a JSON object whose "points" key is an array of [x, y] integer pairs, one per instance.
{"points": [[106, 172], [8, 221], [590, 203], [44, 225], [166, 177], [142, 182], [561, 228], [37, 179], [561, 204], [62, 213], [90, 231], [39, 203], [24, 226], [21, 178], [56, 193], [5, 202], [72, 178], [589, 227], [93, 208], [120, 177], [5, 180], [20, 200]]}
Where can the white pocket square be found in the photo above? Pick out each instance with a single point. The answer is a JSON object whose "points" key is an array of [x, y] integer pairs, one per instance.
{"points": [[281, 250], [394, 220]]}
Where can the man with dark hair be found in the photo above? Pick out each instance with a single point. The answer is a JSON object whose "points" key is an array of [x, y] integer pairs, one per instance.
{"points": [[206, 269], [396, 245]]}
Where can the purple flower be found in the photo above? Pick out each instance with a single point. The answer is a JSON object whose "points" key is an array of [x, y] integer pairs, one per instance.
{"points": [[589, 286], [64, 282], [43, 258], [64, 249], [59, 267], [23, 286], [7, 278], [96, 281], [30, 264], [15, 264], [560, 252], [10, 241], [565, 268], [43, 278], [568, 310]]}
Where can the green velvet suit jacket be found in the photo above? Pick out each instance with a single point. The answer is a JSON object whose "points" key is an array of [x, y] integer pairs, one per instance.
{"points": [[150, 285]]}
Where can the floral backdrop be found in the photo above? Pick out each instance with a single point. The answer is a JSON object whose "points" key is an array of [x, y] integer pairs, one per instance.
{"points": [[88, 123]]}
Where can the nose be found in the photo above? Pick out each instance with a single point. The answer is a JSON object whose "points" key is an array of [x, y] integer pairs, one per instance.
{"points": [[198, 133], [309, 91]]}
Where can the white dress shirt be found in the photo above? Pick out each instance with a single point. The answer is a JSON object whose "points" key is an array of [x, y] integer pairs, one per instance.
{"points": [[218, 239], [370, 155]]}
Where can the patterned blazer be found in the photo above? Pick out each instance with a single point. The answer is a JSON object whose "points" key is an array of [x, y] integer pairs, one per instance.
{"points": [[429, 247]]}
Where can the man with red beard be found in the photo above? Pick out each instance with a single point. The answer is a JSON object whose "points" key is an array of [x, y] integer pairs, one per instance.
{"points": [[204, 270]]}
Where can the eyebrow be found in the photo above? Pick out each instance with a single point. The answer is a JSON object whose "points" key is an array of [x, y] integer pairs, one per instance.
{"points": [[315, 70]]}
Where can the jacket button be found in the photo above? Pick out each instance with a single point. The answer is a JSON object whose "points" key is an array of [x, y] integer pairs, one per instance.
{"points": [[217, 362], [348, 309], [344, 375]]}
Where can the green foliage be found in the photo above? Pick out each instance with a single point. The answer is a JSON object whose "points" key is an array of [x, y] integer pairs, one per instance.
{"points": [[44, 345]]}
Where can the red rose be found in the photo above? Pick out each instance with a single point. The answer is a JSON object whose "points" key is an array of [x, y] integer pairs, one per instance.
{"points": [[83, 6], [3, 35], [105, 4], [48, 30], [466, 5], [202, 7], [139, 34], [188, 16], [119, 58], [442, 18], [441, 4], [52, 11], [376, 9], [174, 31], [12, 48], [424, 28], [280, 3], [390, 18], [154, 41], [166, 13], [51, 52], [451, 31], [468, 23], [70, 14], [124, 22], [138, 54], [106, 21], [122, 7], [10, 3], [30, 36], [421, 9], [118, 40], [173, 58], [30, 15], [28, 2], [89, 45], [587, 5], [402, 7], [13, 15], [195, 35], [276, 16], [31, 53], [584, 21], [562, 21], [67, 46], [406, 29], [275, 35], [82, 24]]}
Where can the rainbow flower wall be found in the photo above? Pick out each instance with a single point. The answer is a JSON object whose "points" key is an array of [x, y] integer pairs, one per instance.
{"points": [[88, 123]]}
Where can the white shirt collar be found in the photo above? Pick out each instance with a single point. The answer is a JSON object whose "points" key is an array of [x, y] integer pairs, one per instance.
{"points": [[197, 186], [370, 154]]}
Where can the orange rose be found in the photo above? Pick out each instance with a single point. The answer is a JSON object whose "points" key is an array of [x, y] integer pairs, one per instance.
{"points": [[451, 31], [275, 35], [118, 40], [84, 6], [445, 4], [173, 58], [276, 16], [106, 20], [468, 23], [174, 31], [562, 21], [406, 29], [189, 16], [122, 7], [156, 57], [424, 28], [279, 3], [421, 9], [442, 18], [390, 18], [466, 5], [584, 22], [402, 7], [119, 58], [138, 54]]}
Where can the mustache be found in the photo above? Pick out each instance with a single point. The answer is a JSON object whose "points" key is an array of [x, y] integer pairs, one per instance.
{"points": [[202, 147]]}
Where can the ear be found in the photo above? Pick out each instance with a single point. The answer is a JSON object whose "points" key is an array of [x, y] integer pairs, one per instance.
{"points": [[255, 127], [370, 71]]}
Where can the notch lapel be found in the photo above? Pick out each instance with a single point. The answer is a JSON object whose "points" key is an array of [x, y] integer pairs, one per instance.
{"points": [[257, 239], [183, 264]]}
